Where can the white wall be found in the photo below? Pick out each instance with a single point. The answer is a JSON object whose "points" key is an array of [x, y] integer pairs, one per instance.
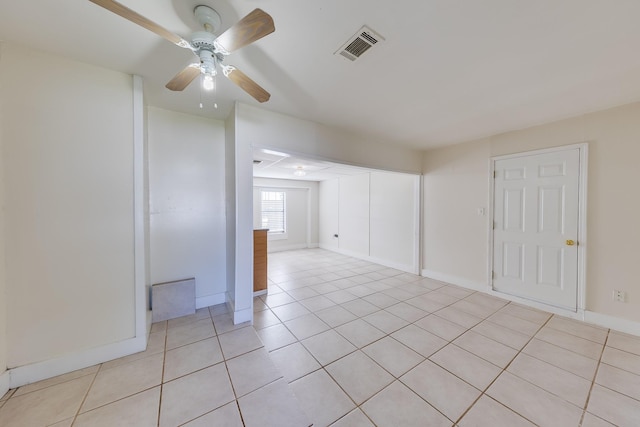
{"points": [[4, 376], [456, 182], [375, 215], [69, 213], [187, 205], [230, 203], [301, 213]]}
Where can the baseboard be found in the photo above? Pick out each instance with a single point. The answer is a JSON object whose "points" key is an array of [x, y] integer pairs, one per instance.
{"points": [[242, 316], [456, 280], [612, 322], [5, 383], [209, 300], [28, 374]]}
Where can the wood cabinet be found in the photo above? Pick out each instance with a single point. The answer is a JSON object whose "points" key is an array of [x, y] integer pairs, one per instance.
{"points": [[260, 260]]}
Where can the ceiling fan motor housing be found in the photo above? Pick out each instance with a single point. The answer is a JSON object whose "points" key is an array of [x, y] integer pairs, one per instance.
{"points": [[208, 18]]}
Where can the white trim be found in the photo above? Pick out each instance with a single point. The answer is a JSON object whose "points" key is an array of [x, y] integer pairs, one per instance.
{"points": [[209, 300], [615, 323], [258, 293], [28, 374], [455, 280], [5, 383], [582, 148], [139, 254], [242, 316], [417, 227]]}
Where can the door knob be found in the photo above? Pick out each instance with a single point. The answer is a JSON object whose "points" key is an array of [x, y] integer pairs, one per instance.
{"points": [[570, 243]]}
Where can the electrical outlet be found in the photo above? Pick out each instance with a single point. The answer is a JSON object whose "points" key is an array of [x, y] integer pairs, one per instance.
{"points": [[619, 295]]}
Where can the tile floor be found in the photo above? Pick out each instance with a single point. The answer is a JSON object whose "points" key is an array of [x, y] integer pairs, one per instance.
{"points": [[344, 342]]}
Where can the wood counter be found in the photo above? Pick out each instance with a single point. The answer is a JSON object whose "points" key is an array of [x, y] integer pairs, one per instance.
{"points": [[260, 260]]}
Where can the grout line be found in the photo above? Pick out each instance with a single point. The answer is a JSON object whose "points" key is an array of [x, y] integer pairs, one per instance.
{"points": [[86, 394], [164, 361], [595, 375]]}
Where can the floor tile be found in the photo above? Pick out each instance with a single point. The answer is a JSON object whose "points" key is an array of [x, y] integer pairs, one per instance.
{"points": [[442, 297], [321, 398], [155, 345], [443, 390], [534, 403], [621, 359], [557, 381], [302, 293], [355, 418], [621, 381], [359, 376], [407, 312], [362, 290], [385, 321], [317, 303], [92, 370], [360, 307], [190, 333], [226, 416], [393, 356], [47, 406], [486, 348], [306, 326], [328, 346], [562, 358], [501, 334], [276, 336], [628, 343], [419, 340], [122, 381], [441, 327], [180, 404], [526, 313], [200, 314], [380, 300], [474, 309], [290, 311], [192, 357], [571, 342], [238, 342], [614, 407], [360, 333], [487, 300], [486, 412], [397, 405], [458, 317], [252, 371], [590, 420], [294, 361], [518, 324], [139, 410], [265, 318], [273, 406], [275, 300], [579, 329], [341, 296], [224, 323], [467, 366], [423, 302], [335, 316]]}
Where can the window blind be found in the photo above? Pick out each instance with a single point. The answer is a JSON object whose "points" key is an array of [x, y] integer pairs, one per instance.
{"points": [[273, 211]]}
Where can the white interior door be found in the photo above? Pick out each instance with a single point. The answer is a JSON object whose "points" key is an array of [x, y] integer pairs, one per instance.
{"points": [[536, 227]]}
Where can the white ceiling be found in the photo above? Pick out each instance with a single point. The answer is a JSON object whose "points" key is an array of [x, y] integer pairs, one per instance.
{"points": [[448, 71], [278, 165]]}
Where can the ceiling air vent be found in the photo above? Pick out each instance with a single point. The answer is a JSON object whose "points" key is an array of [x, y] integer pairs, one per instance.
{"points": [[257, 162], [361, 42]]}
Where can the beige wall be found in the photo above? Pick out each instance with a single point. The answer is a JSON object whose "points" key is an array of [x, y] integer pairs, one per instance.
{"points": [[456, 183], [67, 156]]}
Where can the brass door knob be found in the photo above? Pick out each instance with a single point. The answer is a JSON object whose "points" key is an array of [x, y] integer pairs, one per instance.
{"points": [[570, 243]]}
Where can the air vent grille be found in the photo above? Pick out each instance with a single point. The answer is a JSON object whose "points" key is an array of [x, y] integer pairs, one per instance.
{"points": [[359, 43], [257, 162]]}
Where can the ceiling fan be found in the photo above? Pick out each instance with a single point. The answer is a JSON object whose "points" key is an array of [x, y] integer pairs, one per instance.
{"points": [[209, 49]]}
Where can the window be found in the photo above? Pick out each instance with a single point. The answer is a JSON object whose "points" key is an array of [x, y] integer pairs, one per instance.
{"points": [[273, 210]]}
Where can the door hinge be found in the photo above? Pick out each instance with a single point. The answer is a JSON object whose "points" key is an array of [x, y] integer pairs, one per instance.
{"points": [[493, 275], [495, 174]]}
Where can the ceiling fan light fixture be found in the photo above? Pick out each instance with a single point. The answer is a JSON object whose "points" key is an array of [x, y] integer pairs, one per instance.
{"points": [[207, 82], [299, 171]]}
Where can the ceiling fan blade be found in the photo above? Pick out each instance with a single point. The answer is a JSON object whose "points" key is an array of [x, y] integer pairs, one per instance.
{"points": [[245, 83], [136, 18], [184, 77], [252, 27]]}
